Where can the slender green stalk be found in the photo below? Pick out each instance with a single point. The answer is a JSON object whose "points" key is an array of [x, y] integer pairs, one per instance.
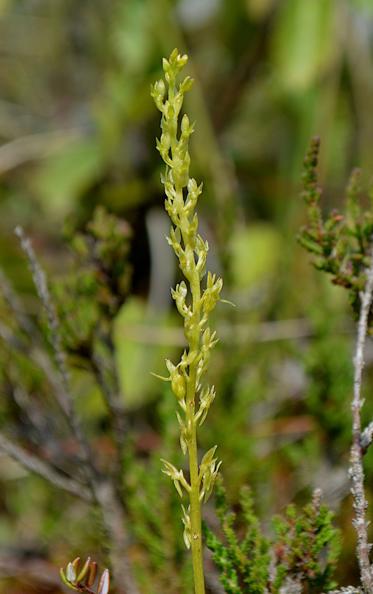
{"points": [[194, 300]]}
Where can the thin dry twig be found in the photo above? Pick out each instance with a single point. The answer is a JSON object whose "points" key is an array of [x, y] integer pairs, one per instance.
{"points": [[38, 466], [356, 470], [64, 397], [41, 286]]}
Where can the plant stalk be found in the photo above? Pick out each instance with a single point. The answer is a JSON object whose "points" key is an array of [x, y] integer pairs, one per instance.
{"points": [[194, 496], [194, 303], [195, 518]]}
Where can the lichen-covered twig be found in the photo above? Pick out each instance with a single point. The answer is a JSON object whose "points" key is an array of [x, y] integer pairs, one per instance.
{"points": [[356, 469]]}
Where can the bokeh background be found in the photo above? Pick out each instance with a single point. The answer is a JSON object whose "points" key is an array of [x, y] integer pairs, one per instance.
{"points": [[77, 130]]}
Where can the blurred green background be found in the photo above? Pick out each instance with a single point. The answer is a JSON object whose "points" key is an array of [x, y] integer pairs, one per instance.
{"points": [[77, 130]]}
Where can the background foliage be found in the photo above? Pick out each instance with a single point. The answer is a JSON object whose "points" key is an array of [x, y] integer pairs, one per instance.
{"points": [[77, 129]]}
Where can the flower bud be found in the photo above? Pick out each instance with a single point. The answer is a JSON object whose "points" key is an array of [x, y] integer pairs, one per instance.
{"points": [[158, 91], [166, 65], [185, 124], [186, 85], [178, 385]]}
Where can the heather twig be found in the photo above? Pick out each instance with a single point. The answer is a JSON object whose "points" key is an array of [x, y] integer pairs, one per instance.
{"points": [[356, 468]]}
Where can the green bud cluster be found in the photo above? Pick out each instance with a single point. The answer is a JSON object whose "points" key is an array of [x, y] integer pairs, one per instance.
{"points": [[195, 299]]}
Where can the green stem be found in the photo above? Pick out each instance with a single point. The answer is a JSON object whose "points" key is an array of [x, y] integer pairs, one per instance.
{"points": [[181, 196], [195, 518], [194, 496]]}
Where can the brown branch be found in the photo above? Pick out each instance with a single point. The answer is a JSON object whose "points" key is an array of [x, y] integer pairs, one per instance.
{"points": [[38, 466], [356, 470]]}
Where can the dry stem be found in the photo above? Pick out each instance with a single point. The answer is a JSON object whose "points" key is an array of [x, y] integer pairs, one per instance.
{"points": [[356, 469]]}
